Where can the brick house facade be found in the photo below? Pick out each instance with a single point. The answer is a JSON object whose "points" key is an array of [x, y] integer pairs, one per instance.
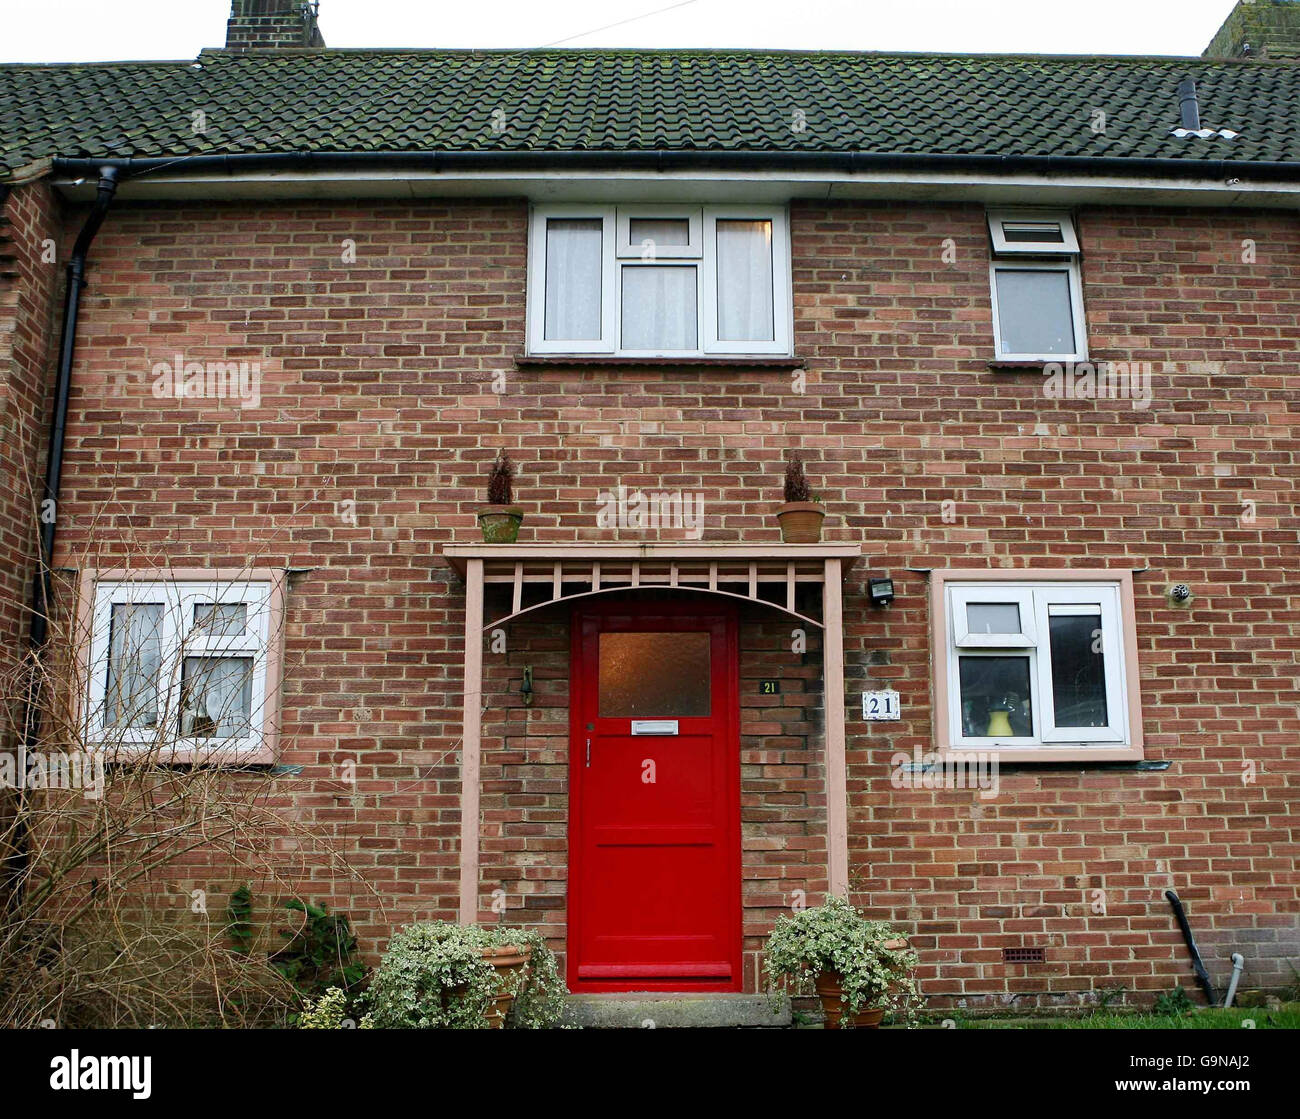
{"points": [[389, 379]]}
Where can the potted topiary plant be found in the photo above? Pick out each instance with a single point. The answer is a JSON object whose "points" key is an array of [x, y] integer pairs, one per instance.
{"points": [[801, 516], [499, 520], [448, 976], [860, 969]]}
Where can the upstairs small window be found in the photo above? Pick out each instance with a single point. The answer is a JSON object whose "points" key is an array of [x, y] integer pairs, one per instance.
{"points": [[1036, 286], [1028, 232], [659, 281]]}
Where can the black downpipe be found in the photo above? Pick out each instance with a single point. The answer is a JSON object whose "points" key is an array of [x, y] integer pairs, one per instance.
{"points": [[1201, 974], [108, 178], [43, 579]]}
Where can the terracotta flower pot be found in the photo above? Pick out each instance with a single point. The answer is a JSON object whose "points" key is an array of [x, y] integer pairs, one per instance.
{"points": [[807, 1010], [509, 962], [830, 991], [500, 523], [801, 522]]}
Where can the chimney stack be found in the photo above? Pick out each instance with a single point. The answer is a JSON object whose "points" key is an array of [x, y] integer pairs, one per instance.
{"points": [[271, 24], [1258, 29]]}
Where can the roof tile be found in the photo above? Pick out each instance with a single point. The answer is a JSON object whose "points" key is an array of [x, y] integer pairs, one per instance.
{"points": [[616, 100]]}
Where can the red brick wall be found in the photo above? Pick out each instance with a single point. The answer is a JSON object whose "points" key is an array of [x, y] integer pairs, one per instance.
{"points": [[377, 390], [30, 288]]}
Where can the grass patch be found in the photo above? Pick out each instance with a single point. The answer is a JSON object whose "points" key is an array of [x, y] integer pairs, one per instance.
{"points": [[1288, 1018]]}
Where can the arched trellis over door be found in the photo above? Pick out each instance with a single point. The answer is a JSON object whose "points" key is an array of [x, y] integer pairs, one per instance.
{"points": [[538, 576]]}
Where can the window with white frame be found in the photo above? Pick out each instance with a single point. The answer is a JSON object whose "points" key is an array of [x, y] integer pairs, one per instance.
{"points": [[1037, 287], [1036, 664], [659, 281], [180, 666]]}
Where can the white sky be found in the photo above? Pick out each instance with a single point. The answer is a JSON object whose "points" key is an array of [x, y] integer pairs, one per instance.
{"points": [[94, 30]]}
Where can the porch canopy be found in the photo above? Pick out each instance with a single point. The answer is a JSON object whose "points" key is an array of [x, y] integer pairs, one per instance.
{"points": [[538, 576]]}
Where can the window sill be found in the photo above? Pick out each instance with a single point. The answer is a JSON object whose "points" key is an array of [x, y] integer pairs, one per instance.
{"points": [[1043, 755], [719, 361], [184, 753], [1006, 365]]}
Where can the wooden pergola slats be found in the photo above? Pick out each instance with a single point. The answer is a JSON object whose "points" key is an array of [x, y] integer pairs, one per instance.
{"points": [[580, 575]]}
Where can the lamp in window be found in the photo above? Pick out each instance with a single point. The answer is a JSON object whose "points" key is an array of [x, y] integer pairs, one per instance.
{"points": [[880, 591], [1000, 717]]}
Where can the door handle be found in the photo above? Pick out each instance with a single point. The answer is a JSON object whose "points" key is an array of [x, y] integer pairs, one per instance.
{"points": [[589, 753]]}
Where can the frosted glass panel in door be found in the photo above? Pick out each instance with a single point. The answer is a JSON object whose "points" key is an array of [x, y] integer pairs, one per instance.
{"points": [[654, 675]]}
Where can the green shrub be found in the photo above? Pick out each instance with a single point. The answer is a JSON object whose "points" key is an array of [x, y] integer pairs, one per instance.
{"points": [[240, 929], [539, 1003], [332, 1012], [321, 953], [836, 937], [1174, 1004], [434, 976]]}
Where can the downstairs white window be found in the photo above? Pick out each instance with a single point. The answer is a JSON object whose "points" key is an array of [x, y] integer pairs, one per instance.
{"points": [[659, 281], [1038, 668], [183, 668]]}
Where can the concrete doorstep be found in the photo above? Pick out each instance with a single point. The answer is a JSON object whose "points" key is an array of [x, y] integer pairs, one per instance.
{"points": [[648, 1010]]}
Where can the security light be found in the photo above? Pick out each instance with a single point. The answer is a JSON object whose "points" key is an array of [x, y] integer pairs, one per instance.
{"points": [[881, 591]]}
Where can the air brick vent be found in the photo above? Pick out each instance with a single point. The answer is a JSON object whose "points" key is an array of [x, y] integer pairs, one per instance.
{"points": [[1024, 955]]}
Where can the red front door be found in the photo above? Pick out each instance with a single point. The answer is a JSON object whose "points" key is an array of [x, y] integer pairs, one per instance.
{"points": [[654, 833]]}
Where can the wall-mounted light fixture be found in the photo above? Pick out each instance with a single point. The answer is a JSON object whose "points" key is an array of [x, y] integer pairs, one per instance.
{"points": [[881, 591], [526, 688]]}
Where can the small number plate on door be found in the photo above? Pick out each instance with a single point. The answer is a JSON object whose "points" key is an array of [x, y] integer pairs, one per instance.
{"points": [[881, 705]]}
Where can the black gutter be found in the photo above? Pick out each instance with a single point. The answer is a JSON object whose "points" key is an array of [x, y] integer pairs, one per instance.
{"points": [[43, 579], [844, 161]]}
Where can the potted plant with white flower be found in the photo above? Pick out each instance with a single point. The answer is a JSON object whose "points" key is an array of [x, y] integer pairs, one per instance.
{"points": [[447, 976], [860, 969]]}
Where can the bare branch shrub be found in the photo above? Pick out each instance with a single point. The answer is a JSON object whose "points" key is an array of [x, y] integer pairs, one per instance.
{"points": [[119, 854]]}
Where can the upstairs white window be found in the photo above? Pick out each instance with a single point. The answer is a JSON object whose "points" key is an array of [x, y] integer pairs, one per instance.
{"points": [[659, 281], [181, 668], [1037, 666], [1036, 286]]}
